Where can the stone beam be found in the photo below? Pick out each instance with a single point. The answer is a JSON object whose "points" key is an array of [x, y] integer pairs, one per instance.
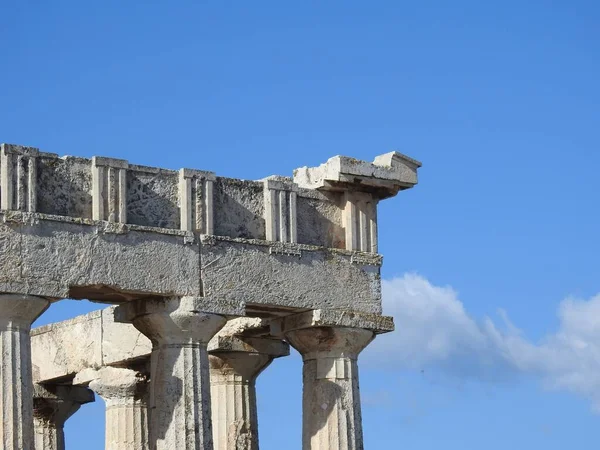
{"points": [[62, 350]]}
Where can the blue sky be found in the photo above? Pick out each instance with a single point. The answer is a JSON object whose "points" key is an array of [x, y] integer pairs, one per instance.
{"points": [[491, 262]]}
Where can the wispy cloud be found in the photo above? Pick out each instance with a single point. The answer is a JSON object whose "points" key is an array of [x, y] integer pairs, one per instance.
{"points": [[433, 330]]}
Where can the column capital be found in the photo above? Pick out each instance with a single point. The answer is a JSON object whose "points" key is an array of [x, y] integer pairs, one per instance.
{"points": [[176, 320], [113, 384], [330, 342], [231, 352], [52, 406], [332, 318], [124, 391], [21, 309], [236, 361], [326, 333], [180, 329], [56, 403], [243, 356]]}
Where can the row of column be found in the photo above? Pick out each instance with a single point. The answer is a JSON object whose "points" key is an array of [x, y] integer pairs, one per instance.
{"points": [[173, 409]]}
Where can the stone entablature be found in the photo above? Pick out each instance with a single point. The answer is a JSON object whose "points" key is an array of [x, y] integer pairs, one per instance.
{"points": [[113, 190], [110, 231]]}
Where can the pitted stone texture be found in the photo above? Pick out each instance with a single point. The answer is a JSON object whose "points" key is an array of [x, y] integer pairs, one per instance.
{"points": [[54, 257], [52, 406], [65, 186], [114, 262], [331, 414], [320, 218], [125, 393], [16, 397], [293, 276], [152, 197], [180, 379], [238, 211]]}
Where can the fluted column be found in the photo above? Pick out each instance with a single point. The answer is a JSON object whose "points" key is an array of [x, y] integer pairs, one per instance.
{"points": [[17, 312], [180, 380], [330, 342], [235, 363], [52, 406], [331, 399], [124, 392]]}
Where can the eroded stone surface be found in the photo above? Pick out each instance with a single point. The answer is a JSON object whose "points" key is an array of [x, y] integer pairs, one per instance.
{"points": [[292, 276]]}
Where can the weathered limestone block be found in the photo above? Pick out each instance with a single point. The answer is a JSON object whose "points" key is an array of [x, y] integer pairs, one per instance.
{"points": [[107, 230], [331, 399], [61, 258], [125, 393], [153, 197], [320, 220], [63, 349], [235, 363], [60, 350], [238, 208], [288, 275], [17, 313], [122, 343], [52, 406], [64, 186], [180, 409]]}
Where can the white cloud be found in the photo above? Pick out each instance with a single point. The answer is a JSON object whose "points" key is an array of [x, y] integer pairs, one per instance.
{"points": [[433, 330]]}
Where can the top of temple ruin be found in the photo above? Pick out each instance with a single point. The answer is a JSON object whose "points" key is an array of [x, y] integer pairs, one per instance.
{"points": [[111, 231], [384, 177]]}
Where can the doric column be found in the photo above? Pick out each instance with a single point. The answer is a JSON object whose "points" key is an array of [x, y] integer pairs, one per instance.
{"points": [[52, 406], [180, 384], [17, 312], [124, 392], [235, 363], [329, 342]]}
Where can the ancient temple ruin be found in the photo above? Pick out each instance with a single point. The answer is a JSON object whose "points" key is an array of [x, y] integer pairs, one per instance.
{"points": [[209, 278]]}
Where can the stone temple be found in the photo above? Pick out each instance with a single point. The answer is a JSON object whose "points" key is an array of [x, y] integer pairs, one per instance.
{"points": [[206, 279]]}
